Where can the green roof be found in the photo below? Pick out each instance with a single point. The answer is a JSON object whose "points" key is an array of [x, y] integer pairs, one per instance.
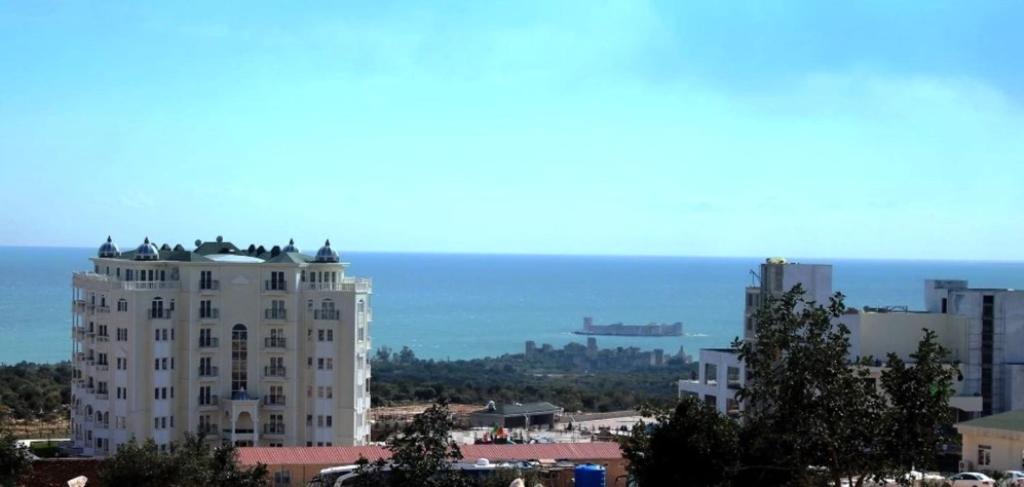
{"points": [[1010, 420]]}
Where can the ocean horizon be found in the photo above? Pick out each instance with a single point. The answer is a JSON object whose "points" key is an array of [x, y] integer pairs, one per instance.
{"points": [[467, 305]]}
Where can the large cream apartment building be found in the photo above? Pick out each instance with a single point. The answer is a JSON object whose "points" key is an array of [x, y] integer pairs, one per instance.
{"points": [[250, 346]]}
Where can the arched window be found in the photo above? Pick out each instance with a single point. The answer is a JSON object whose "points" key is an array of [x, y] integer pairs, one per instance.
{"points": [[239, 358]]}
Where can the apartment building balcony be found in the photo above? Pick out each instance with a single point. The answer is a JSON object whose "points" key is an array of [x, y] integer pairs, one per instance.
{"points": [[275, 314], [80, 357], [78, 306], [275, 342], [90, 332], [149, 285], [350, 284], [208, 403], [274, 401], [103, 367], [102, 338], [275, 372], [209, 314], [212, 342], [209, 372], [207, 286], [160, 314], [273, 429], [326, 314], [275, 286], [103, 309], [79, 332], [209, 429], [103, 395]]}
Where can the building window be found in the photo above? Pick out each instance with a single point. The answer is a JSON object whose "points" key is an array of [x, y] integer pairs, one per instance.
{"points": [[282, 478], [239, 358], [984, 455]]}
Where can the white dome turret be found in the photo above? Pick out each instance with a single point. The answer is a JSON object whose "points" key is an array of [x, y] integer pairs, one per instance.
{"points": [[109, 249], [326, 254], [290, 247], [147, 251]]}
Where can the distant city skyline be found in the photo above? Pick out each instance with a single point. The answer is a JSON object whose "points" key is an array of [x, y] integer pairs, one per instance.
{"points": [[869, 130]]}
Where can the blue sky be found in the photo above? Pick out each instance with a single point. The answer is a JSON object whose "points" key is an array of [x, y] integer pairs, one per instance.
{"points": [[855, 129]]}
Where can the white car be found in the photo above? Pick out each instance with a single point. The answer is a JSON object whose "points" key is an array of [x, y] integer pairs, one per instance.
{"points": [[970, 479], [1013, 478]]}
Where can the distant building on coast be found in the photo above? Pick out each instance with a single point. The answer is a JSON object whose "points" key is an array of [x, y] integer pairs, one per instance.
{"points": [[971, 323], [254, 347]]}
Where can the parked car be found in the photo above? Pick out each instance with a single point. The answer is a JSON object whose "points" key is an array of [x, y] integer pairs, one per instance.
{"points": [[970, 479], [1012, 478]]}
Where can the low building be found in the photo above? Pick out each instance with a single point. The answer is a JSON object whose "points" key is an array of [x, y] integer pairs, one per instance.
{"points": [[993, 442], [294, 466], [517, 415]]}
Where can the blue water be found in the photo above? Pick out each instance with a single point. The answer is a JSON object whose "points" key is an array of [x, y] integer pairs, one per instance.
{"points": [[461, 306]]}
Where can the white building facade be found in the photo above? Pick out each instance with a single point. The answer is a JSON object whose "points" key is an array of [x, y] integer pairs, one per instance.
{"points": [[874, 332], [994, 364], [252, 347]]}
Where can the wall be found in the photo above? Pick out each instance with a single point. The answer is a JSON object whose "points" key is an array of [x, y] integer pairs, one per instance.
{"points": [[1007, 447]]}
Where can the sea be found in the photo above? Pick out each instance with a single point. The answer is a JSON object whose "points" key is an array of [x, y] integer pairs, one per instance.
{"points": [[458, 306]]}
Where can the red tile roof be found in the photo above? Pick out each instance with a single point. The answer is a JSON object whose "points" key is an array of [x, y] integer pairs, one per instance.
{"points": [[342, 455]]}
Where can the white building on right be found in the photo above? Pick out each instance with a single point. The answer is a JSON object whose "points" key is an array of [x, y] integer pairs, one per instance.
{"points": [[994, 362], [983, 328]]}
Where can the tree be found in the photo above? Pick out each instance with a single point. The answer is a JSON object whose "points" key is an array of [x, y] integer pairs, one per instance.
{"points": [[694, 445], [810, 414], [191, 463], [918, 417], [421, 455], [136, 464], [15, 462]]}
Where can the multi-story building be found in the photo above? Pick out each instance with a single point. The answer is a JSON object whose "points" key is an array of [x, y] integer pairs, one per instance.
{"points": [[247, 346], [994, 365], [874, 332]]}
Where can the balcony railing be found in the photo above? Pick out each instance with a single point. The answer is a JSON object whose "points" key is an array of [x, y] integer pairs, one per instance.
{"points": [[212, 342], [209, 285], [274, 371], [103, 338], [274, 401], [275, 314], [275, 342], [274, 286], [160, 313], [209, 314], [102, 395], [103, 309], [273, 429], [149, 285], [209, 402], [209, 371], [356, 284], [102, 367], [209, 429], [326, 314]]}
